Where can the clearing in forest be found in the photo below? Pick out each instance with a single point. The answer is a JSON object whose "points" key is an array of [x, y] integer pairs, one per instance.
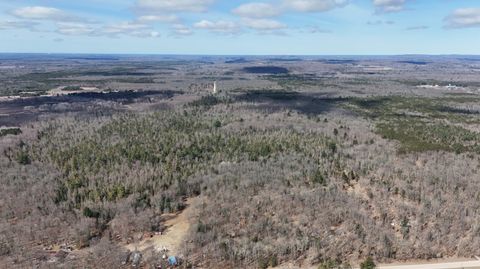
{"points": [[177, 227]]}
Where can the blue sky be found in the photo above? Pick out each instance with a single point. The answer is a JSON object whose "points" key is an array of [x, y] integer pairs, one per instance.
{"points": [[288, 27]]}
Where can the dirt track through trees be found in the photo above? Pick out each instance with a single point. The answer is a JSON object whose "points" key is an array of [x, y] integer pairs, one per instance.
{"points": [[174, 236]]}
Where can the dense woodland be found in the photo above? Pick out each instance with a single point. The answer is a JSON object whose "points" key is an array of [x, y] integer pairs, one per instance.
{"points": [[279, 186], [306, 163]]}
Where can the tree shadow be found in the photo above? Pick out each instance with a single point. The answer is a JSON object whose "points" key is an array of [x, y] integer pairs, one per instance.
{"points": [[304, 103], [374, 103], [23, 110]]}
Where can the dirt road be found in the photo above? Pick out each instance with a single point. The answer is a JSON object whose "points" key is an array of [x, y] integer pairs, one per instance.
{"points": [[174, 235]]}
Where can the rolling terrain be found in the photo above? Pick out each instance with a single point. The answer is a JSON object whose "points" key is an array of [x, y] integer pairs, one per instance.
{"points": [[297, 162]]}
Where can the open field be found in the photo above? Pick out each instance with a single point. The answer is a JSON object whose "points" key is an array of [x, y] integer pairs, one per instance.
{"points": [[297, 162]]}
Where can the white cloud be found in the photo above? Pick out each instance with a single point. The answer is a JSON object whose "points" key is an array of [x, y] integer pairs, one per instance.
{"points": [[68, 24], [123, 27], [112, 30], [380, 22], [257, 10], [44, 13], [463, 17], [154, 34], [165, 6], [181, 30], [416, 28], [315, 30], [130, 29], [314, 5], [158, 18], [6, 25], [74, 29], [264, 24], [389, 5], [217, 26]]}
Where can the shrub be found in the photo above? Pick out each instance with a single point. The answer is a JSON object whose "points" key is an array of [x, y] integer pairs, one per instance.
{"points": [[368, 264], [332, 146], [23, 158], [318, 177], [273, 262], [10, 131], [262, 263], [328, 264], [89, 213]]}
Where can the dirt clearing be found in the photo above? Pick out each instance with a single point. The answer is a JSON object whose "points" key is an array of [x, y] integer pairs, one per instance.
{"points": [[174, 235]]}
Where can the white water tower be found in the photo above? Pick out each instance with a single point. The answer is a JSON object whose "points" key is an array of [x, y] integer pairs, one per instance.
{"points": [[215, 87]]}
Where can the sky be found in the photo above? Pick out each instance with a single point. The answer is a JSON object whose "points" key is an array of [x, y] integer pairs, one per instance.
{"points": [[241, 27]]}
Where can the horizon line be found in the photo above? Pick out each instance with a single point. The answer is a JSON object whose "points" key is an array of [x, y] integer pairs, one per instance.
{"points": [[200, 54]]}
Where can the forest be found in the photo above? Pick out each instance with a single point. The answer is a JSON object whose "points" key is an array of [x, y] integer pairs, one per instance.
{"points": [[280, 175]]}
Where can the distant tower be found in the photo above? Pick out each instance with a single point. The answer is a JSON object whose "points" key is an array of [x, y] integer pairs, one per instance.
{"points": [[215, 87]]}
